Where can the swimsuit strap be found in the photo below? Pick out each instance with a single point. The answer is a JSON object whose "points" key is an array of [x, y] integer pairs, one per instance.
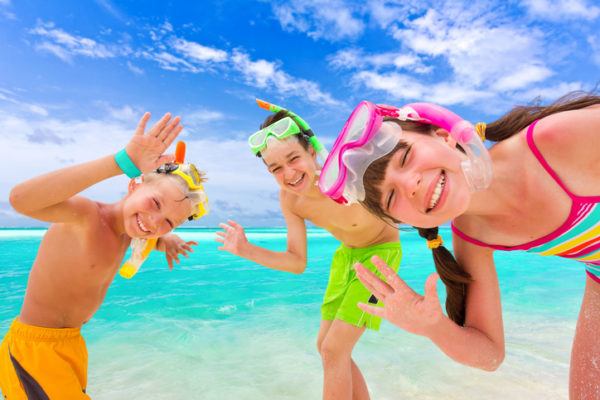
{"points": [[538, 155], [474, 241]]}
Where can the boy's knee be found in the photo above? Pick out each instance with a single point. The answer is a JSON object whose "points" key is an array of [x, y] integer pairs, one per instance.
{"points": [[319, 344], [332, 352]]}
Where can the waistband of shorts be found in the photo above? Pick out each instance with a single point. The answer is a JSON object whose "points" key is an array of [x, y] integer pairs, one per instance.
{"points": [[378, 246], [23, 331]]}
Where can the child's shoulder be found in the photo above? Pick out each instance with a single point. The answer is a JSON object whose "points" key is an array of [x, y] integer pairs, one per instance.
{"points": [[569, 128]]}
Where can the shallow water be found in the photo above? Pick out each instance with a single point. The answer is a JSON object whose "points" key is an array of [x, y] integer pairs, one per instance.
{"points": [[220, 327]]}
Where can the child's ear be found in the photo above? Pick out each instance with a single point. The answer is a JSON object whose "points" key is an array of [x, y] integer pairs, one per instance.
{"points": [[133, 184], [312, 152], [444, 134]]}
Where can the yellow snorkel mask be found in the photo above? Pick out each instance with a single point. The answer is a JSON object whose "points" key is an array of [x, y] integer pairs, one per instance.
{"points": [[192, 177]]}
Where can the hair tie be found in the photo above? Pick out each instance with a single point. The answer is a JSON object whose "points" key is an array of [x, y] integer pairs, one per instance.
{"points": [[480, 129], [435, 243]]}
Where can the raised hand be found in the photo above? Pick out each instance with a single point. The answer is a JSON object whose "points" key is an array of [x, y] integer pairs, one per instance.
{"points": [[146, 148], [233, 237], [403, 307], [173, 246]]}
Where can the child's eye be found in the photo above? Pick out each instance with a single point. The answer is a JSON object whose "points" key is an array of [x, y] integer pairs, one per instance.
{"points": [[295, 158], [275, 170], [156, 203]]}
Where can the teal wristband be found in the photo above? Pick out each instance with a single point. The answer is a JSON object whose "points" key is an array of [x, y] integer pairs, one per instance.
{"points": [[126, 165]]}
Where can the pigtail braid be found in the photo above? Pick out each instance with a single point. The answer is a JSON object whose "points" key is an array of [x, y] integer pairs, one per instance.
{"points": [[452, 274]]}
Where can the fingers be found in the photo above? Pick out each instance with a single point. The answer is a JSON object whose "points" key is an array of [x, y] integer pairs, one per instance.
{"points": [[376, 286], [226, 227], [162, 135], [377, 311], [172, 135], [160, 125], [142, 124], [234, 224], [220, 239], [170, 261], [391, 277]]}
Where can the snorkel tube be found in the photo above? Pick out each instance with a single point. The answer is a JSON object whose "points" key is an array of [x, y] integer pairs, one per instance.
{"points": [[141, 248], [312, 138], [478, 165]]}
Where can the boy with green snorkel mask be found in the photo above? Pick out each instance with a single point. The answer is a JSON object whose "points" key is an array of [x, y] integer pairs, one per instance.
{"points": [[289, 150], [43, 355]]}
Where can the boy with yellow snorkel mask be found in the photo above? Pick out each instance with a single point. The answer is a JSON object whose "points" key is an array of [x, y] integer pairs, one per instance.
{"points": [[43, 354], [289, 150]]}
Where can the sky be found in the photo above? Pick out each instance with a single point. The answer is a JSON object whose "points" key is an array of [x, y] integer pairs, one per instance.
{"points": [[76, 76]]}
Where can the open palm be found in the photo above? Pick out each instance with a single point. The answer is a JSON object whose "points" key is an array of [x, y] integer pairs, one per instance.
{"points": [[403, 307], [146, 148]]}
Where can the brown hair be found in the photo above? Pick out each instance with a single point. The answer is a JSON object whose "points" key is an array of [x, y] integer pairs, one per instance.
{"points": [[452, 274], [276, 117]]}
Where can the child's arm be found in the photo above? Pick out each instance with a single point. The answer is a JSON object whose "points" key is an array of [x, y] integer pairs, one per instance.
{"points": [[292, 260], [479, 343], [52, 197]]}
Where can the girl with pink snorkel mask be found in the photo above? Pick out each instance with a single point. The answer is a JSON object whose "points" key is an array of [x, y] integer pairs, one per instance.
{"points": [[537, 189]]}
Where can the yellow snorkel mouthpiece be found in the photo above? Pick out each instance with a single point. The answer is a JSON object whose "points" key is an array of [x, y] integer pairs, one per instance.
{"points": [[140, 250]]}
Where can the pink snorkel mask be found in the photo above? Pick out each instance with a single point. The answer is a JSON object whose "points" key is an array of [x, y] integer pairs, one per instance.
{"points": [[361, 142]]}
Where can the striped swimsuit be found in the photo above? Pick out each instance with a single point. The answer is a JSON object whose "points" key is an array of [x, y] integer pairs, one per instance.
{"points": [[578, 238]]}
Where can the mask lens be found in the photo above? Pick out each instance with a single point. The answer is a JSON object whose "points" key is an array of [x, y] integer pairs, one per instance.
{"points": [[195, 175], [258, 138], [353, 131], [280, 127]]}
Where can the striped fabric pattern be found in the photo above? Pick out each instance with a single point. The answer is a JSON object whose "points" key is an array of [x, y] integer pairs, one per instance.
{"points": [[578, 238], [580, 241]]}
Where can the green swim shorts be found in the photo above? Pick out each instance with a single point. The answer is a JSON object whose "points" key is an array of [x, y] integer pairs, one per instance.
{"points": [[344, 290]]}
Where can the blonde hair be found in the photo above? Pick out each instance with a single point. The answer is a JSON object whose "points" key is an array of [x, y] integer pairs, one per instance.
{"points": [[196, 197]]}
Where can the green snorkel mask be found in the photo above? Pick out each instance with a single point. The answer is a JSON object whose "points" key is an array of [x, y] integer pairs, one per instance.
{"points": [[284, 128]]}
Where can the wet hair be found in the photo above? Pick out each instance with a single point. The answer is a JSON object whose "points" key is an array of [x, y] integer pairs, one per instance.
{"points": [[453, 274], [271, 119]]}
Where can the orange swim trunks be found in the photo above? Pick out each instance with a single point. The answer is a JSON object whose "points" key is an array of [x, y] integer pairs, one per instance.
{"points": [[43, 363]]}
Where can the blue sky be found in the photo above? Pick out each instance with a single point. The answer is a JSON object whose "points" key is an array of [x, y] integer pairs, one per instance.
{"points": [[75, 76]]}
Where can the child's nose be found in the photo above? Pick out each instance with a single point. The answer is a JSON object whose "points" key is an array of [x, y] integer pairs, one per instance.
{"points": [[411, 183]]}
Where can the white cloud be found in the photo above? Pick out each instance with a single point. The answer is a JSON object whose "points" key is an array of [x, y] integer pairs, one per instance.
{"points": [[201, 122], [327, 19], [127, 113], [388, 12], [266, 74], [134, 69], [549, 93], [560, 10], [354, 58], [65, 45], [523, 76], [594, 42], [8, 96], [198, 52], [170, 62], [406, 88], [477, 50], [112, 10]]}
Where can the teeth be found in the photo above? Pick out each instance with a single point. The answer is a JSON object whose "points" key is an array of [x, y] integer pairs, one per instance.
{"points": [[141, 225], [437, 192], [297, 180]]}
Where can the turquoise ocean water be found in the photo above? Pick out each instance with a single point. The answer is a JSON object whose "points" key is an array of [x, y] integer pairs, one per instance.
{"points": [[220, 327]]}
